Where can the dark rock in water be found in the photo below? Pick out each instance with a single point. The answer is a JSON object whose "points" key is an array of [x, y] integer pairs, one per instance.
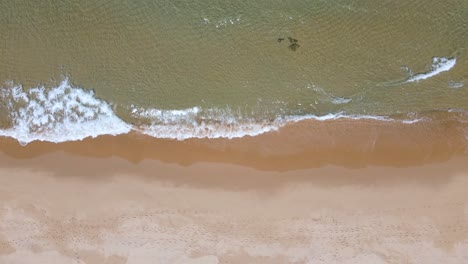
{"points": [[294, 46], [292, 40], [280, 39]]}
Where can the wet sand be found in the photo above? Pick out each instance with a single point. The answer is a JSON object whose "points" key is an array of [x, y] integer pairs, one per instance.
{"points": [[131, 199], [302, 145]]}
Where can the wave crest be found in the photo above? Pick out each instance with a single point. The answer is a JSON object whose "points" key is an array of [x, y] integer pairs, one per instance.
{"points": [[438, 65], [63, 113]]}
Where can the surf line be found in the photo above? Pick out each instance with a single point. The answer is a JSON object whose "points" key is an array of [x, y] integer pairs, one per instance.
{"points": [[439, 65]]}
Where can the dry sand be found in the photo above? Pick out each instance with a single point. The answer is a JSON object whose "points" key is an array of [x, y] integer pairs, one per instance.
{"points": [[339, 198]]}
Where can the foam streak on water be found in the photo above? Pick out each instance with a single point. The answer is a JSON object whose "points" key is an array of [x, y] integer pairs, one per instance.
{"points": [[438, 65]]}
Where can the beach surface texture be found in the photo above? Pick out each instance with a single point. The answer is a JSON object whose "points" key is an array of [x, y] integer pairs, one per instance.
{"points": [[104, 201]]}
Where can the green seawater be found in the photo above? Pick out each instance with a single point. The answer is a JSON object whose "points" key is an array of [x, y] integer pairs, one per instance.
{"points": [[351, 56]]}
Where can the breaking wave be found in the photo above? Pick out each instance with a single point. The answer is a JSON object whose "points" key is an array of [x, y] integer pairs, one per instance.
{"points": [[438, 65], [67, 113], [63, 113]]}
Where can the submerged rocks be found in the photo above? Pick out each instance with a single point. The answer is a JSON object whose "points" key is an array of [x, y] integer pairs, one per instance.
{"points": [[293, 43], [293, 46]]}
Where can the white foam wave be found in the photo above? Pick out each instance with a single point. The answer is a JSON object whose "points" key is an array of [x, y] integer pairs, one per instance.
{"points": [[63, 113], [216, 123], [337, 116], [438, 65], [67, 113], [208, 130], [166, 116], [196, 122]]}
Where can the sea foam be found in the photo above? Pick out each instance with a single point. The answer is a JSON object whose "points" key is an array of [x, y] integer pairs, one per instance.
{"points": [[438, 65], [196, 122], [68, 113], [225, 123], [63, 113]]}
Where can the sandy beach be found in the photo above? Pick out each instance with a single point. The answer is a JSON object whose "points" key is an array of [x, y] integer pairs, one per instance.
{"points": [[71, 203], [161, 132]]}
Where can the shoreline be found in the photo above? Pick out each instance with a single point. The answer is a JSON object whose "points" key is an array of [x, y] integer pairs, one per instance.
{"points": [[302, 145], [316, 192]]}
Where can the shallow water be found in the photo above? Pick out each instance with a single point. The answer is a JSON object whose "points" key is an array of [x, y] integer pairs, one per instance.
{"points": [[181, 69]]}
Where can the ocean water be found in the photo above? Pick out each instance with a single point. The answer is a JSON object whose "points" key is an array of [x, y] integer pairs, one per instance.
{"points": [[226, 69]]}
